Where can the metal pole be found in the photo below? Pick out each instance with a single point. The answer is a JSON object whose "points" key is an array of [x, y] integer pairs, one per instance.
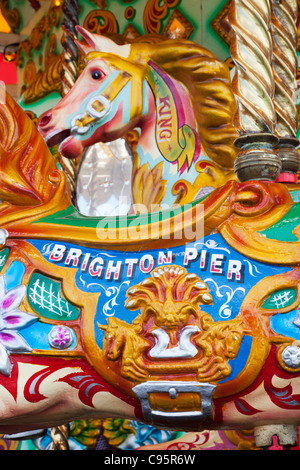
{"points": [[69, 72], [70, 51], [285, 66], [264, 52], [254, 88]]}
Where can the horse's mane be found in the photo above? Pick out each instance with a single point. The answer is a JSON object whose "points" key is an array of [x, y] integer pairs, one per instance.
{"points": [[26, 164], [208, 82]]}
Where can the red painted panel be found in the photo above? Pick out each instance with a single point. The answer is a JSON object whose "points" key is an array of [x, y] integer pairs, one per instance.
{"points": [[8, 71]]}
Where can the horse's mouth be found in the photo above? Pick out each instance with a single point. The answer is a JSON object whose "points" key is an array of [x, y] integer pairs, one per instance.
{"points": [[56, 137]]}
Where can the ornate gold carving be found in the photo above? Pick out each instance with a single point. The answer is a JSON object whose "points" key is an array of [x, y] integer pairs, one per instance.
{"points": [[188, 340], [40, 31], [172, 295], [39, 84], [243, 229], [123, 341], [108, 23], [155, 11], [148, 186]]}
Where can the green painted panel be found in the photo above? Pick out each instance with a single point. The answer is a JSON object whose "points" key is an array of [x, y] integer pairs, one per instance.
{"points": [[3, 257], [45, 297], [280, 299], [72, 217], [283, 230]]}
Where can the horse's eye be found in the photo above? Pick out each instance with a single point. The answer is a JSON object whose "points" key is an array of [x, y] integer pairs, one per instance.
{"points": [[97, 74]]}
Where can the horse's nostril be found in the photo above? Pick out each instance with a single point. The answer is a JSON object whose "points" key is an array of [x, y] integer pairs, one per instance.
{"points": [[45, 120]]}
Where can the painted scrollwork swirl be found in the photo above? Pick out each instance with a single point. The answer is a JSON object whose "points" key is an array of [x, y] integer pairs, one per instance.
{"points": [[108, 23], [254, 198], [38, 84], [155, 11]]}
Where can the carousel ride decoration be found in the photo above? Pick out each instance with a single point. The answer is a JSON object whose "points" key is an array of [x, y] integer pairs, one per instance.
{"points": [[185, 317]]}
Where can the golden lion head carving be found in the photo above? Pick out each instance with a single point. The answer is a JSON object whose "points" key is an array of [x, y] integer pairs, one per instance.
{"points": [[171, 294]]}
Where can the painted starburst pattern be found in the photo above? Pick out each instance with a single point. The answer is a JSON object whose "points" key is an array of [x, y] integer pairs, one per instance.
{"points": [[12, 320]]}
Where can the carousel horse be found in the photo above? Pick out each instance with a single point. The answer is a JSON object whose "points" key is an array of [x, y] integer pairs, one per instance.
{"points": [[185, 318], [176, 93]]}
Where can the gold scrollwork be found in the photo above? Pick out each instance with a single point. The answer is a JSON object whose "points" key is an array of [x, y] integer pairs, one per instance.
{"points": [[38, 84], [101, 22], [155, 11], [40, 31]]}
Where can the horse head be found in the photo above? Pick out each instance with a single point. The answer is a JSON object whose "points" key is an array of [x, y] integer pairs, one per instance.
{"points": [[99, 105], [162, 89]]}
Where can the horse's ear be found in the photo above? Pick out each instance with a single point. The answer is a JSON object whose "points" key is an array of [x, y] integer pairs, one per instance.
{"points": [[89, 37], [85, 48], [100, 43]]}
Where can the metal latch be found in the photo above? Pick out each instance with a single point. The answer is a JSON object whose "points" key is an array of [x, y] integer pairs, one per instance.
{"points": [[188, 419]]}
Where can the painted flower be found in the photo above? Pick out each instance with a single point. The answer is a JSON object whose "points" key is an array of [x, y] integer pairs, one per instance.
{"points": [[11, 320]]}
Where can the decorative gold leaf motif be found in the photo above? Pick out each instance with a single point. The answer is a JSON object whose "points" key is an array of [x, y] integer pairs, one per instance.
{"points": [[188, 340], [148, 186]]}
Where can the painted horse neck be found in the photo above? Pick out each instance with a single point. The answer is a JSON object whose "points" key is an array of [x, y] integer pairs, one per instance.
{"points": [[168, 146]]}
